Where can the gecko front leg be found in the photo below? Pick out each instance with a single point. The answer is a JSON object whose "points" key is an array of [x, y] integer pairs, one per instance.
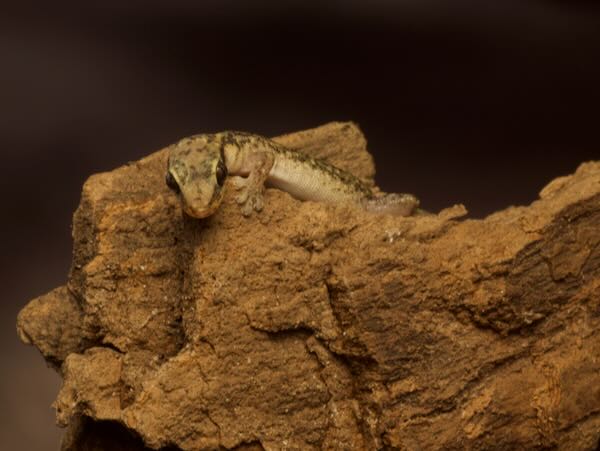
{"points": [[251, 188]]}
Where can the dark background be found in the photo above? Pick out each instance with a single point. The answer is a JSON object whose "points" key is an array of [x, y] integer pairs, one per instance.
{"points": [[479, 102]]}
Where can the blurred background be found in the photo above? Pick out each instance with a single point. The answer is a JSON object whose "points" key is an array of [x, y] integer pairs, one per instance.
{"points": [[478, 102]]}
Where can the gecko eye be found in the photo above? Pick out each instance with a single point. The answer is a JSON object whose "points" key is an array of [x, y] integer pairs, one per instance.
{"points": [[171, 182], [221, 172]]}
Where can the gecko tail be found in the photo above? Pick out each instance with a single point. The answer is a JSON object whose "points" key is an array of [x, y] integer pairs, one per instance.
{"points": [[395, 204]]}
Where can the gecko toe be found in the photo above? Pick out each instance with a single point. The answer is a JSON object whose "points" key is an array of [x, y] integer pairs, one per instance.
{"points": [[250, 202], [239, 182], [247, 209], [257, 203], [242, 198]]}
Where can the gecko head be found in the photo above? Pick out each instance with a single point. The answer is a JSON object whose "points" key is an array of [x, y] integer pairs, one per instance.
{"points": [[196, 171]]}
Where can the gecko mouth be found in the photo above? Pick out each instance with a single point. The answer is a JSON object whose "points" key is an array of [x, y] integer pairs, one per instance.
{"points": [[195, 213], [197, 209]]}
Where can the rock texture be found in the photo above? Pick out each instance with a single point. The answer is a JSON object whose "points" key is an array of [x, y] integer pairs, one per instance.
{"points": [[310, 326]]}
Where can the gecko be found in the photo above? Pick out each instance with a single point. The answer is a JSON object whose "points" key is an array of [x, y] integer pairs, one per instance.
{"points": [[199, 165]]}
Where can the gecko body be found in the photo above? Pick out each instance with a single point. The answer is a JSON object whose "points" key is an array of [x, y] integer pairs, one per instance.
{"points": [[199, 165]]}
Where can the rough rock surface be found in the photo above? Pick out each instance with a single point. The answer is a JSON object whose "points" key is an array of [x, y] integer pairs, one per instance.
{"points": [[310, 326]]}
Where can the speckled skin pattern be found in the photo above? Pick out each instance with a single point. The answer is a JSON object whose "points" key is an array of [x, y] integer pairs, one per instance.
{"points": [[198, 166]]}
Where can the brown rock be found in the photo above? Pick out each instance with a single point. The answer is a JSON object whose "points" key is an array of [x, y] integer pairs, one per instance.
{"points": [[311, 326]]}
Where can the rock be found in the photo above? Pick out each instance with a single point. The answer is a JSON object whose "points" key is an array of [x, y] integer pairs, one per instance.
{"points": [[311, 326]]}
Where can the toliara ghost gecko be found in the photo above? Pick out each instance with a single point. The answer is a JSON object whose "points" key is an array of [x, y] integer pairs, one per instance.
{"points": [[199, 165]]}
